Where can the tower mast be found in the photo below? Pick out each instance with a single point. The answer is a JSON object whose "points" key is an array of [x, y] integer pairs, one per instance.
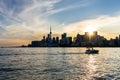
{"points": [[50, 32]]}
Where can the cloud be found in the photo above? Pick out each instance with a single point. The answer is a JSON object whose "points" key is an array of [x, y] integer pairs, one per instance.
{"points": [[106, 25], [29, 19], [13, 42], [69, 7], [26, 20], [1, 30], [18, 11], [38, 8], [25, 31]]}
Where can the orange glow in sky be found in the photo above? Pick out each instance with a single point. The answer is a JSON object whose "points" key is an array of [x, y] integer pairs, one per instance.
{"points": [[90, 29]]}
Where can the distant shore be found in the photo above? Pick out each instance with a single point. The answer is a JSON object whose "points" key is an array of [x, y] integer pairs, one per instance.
{"points": [[54, 47]]}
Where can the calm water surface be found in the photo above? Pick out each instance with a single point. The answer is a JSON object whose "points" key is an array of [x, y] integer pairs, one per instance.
{"points": [[59, 64]]}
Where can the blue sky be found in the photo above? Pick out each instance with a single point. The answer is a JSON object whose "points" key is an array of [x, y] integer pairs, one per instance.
{"points": [[24, 20]]}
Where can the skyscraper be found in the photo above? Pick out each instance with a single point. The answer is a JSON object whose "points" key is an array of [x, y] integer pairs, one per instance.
{"points": [[87, 36], [64, 35], [95, 36], [119, 41], [95, 33], [119, 37]]}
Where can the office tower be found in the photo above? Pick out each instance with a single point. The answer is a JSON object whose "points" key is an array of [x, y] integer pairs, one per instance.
{"points": [[57, 40], [87, 37], [64, 35], [95, 33]]}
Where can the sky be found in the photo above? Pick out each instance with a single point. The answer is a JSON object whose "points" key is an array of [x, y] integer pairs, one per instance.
{"points": [[22, 21]]}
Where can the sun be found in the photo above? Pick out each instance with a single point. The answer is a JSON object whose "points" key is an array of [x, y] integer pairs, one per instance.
{"points": [[90, 29], [90, 32]]}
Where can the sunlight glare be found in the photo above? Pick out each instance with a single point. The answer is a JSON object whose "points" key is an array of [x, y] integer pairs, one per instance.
{"points": [[90, 29]]}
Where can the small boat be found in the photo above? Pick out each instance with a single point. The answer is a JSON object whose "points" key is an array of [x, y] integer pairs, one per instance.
{"points": [[91, 51]]}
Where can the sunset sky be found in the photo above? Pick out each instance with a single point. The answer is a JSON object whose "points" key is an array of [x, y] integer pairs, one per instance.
{"points": [[24, 20]]}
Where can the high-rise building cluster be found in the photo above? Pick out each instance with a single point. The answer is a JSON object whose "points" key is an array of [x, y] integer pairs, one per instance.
{"points": [[79, 41]]}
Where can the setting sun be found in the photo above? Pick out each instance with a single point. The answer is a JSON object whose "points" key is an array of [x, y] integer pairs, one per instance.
{"points": [[90, 29], [90, 32]]}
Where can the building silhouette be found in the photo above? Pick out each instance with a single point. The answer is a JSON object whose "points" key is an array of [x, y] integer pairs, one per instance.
{"points": [[65, 41], [78, 41]]}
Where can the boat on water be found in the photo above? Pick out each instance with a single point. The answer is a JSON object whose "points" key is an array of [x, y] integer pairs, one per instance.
{"points": [[91, 51]]}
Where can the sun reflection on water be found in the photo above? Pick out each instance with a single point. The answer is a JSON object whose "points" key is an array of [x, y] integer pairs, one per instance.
{"points": [[92, 68], [59, 64]]}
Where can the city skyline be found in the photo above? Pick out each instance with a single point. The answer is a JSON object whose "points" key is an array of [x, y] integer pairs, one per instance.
{"points": [[88, 39], [26, 20]]}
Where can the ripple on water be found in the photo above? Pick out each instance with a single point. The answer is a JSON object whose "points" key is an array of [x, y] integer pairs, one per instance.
{"points": [[59, 64], [9, 69]]}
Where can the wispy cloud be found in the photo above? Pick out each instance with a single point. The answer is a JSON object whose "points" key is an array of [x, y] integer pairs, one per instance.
{"points": [[29, 19], [69, 7], [106, 25], [27, 23]]}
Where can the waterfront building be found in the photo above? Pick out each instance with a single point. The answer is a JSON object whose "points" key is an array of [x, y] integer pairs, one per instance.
{"points": [[118, 41], [57, 40], [87, 37], [64, 35], [65, 41], [78, 41]]}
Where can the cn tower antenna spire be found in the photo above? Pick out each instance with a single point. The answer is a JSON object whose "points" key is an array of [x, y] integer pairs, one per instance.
{"points": [[50, 34], [50, 30]]}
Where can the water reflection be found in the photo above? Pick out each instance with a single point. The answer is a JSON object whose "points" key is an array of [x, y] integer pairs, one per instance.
{"points": [[59, 64], [92, 67]]}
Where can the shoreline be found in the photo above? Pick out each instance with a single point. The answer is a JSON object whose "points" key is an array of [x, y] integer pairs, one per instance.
{"points": [[55, 47]]}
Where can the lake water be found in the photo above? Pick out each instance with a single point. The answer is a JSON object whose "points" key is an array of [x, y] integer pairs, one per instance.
{"points": [[59, 64]]}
